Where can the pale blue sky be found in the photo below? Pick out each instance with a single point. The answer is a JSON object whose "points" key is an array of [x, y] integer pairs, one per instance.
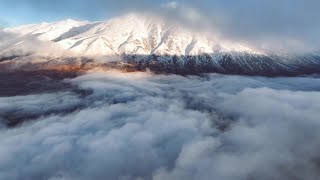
{"points": [[16, 12]]}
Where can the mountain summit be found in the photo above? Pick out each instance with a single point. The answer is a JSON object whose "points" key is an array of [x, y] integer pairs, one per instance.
{"points": [[149, 42]]}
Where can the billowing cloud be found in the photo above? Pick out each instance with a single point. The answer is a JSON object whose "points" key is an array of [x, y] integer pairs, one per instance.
{"points": [[145, 126]]}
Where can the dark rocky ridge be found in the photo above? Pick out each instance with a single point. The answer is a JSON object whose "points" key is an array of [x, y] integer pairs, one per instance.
{"points": [[243, 64], [226, 63]]}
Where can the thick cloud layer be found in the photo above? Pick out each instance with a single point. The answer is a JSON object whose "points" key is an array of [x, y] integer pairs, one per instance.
{"points": [[144, 126]]}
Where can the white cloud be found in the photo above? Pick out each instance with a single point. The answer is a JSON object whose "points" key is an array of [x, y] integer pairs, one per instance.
{"points": [[172, 5], [144, 126]]}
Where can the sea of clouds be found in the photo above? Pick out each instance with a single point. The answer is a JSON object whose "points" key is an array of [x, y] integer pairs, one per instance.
{"points": [[165, 127]]}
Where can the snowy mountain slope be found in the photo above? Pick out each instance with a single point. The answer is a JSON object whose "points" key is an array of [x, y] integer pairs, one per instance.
{"points": [[36, 38], [130, 34], [46, 31], [152, 42]]}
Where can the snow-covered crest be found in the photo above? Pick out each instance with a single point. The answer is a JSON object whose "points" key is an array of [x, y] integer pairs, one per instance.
{"points": [[129, 34]]}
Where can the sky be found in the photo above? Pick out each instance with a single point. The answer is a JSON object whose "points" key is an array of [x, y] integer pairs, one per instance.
{"points": [[17, 12], [287, 24]]}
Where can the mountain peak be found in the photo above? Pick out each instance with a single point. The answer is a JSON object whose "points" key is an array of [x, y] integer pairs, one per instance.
{"points": [[148, 41], [46, 31]]}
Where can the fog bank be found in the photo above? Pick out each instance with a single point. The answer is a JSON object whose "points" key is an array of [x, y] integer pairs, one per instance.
{"points": [[145, 126]]}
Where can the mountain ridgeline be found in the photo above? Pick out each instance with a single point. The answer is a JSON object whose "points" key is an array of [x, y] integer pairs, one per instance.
{"points": [[137, 43]]}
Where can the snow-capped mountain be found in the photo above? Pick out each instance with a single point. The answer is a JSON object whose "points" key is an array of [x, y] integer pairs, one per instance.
{"points": [[149, 42], [47, 31]]}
